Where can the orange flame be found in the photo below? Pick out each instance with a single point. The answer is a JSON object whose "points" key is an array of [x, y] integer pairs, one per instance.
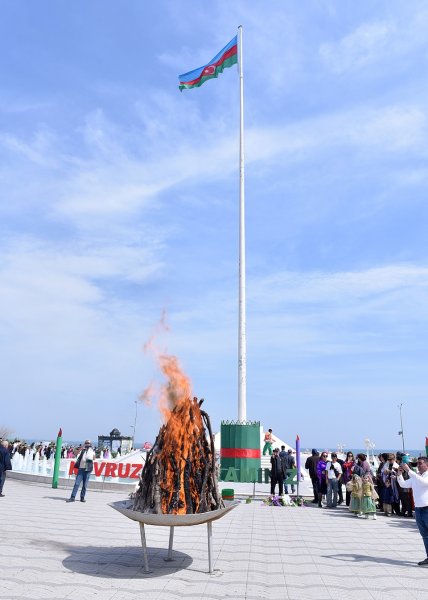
{"points": [[183, 439]]}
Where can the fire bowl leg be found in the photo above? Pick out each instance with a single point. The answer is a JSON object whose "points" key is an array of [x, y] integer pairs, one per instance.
{"points": [[171, 539], [210, 546], [144, 545]]}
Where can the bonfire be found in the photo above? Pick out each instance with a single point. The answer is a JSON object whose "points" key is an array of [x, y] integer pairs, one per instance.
{"points": [[180, 473]]}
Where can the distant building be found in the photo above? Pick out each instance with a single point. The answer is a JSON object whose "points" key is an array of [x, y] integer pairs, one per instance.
{"points": [[115, 441]]}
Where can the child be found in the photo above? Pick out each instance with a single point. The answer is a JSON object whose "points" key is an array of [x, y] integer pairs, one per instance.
{"points": [[355, 486], [369, 496]]}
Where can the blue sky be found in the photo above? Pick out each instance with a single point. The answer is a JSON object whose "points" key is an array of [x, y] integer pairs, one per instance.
{"points": [[119, 198]]}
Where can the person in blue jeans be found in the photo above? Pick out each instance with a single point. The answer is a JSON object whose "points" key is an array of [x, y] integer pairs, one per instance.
{"points": [[5, 464], [419, 484], [84, 464], [289, 464], [333, 473]]}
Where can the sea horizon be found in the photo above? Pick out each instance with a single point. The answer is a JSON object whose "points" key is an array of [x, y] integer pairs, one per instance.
{"points": [[332, 448]]}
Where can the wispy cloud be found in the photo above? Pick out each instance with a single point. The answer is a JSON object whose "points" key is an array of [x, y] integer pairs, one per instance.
{"points": [[359, 48], [38, 149], [318, 288], [110, 173]]}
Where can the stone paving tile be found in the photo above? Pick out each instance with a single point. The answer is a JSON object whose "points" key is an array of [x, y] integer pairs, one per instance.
{"points": [[308, 594], [350, 594], [50, 550]]}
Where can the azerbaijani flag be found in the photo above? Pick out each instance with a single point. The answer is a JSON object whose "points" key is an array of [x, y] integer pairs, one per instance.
{"points": [[225, 58]]}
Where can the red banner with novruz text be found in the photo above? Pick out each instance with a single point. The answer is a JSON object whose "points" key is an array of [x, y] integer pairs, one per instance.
{"points": [[108, 469], [239, 453]]}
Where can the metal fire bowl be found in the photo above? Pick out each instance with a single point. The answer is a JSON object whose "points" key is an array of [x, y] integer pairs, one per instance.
{"points": [[125, 507]]}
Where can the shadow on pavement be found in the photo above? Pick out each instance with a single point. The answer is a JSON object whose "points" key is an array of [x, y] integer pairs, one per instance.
{"points": [[360, 558], [62, 498], [123, 562], [340, 511], [394, 521]]}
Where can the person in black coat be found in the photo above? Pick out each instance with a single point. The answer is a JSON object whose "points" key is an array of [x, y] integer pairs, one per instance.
{"points": [[5, 464], [340, 483], [311, 465], [277, 473]]}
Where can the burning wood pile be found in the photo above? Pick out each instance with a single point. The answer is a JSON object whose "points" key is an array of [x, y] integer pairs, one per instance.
{"points": [[180, 473]]}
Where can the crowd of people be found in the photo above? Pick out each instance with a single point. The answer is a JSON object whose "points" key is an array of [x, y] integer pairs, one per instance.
{"points": [[47, 449], [391, 485], [329, 475], [395, 487]]}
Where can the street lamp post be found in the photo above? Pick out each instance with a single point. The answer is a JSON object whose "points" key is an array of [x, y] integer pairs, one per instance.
{"points": [[134, 426], [401, 432]]}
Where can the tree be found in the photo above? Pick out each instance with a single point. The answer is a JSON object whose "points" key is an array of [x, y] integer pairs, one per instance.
{"points": [[5, 432]]}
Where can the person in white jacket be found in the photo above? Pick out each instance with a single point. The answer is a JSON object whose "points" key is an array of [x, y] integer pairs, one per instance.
{"points": [[419, 484], [84, 464]]}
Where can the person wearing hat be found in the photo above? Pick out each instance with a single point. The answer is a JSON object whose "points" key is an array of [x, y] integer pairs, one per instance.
{"points": [[84, 464], [405, 494]]}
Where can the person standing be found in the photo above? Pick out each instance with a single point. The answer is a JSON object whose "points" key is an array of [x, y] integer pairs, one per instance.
{"points": [[283, 456], [84, 464], [311, 466], [391, 498], [268, 440], [289, 463], [277, 473], [340, 483], [404, 494], [355, 486], [380, 486], [418, 482], [362, 466], [5, 464], [322, 482], [333, 473], [368, 506], [347, 474]]}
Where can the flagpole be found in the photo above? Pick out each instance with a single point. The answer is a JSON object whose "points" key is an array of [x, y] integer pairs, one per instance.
{"points": [[242, 336]]}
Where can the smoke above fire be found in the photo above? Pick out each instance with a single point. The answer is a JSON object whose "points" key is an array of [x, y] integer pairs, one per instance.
{"points": [[177, 387]]}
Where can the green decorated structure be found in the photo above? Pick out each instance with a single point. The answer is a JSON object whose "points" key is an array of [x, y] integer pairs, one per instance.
{"points": [[240, 451], [58, 447]]}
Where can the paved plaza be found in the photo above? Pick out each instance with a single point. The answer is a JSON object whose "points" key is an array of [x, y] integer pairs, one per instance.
{"points": [[54, 550]]}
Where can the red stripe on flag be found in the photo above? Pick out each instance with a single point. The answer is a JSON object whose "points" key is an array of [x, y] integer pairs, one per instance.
{"points": [[239, 453], [231, 52], [228, 54]]}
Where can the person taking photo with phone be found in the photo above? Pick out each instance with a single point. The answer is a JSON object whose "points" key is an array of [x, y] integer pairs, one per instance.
{"points": [[418, 482]]}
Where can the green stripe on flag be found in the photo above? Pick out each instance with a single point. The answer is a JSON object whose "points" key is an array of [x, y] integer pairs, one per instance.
{"points": [[229, 62]]}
